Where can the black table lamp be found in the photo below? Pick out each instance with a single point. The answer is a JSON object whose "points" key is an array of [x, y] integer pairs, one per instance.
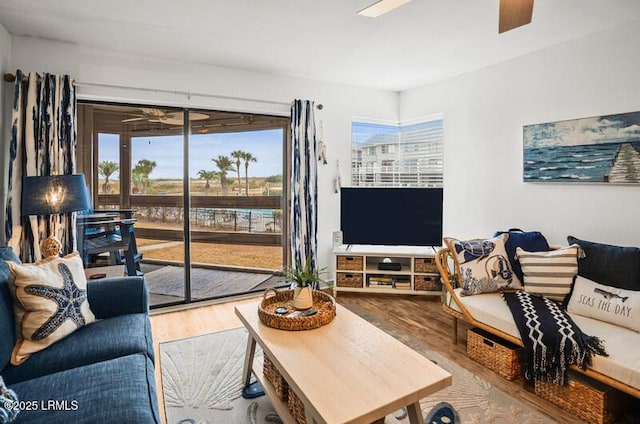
{"points": [[54, 195]]}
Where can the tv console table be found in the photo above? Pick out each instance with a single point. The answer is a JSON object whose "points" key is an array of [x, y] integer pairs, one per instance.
{"points": [[357, 270]]}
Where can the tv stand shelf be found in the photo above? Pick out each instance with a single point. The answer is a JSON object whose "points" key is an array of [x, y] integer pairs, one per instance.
{"points": [[357, 270]]}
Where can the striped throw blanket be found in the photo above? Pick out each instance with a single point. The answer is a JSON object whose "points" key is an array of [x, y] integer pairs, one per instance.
{"points": [[552, 341]]}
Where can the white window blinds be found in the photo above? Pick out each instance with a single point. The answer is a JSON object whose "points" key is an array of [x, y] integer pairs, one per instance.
{"points": [[404, 155]]}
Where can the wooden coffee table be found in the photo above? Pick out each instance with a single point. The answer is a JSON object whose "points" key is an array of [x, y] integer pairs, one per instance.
{"points": [[348, 371]]}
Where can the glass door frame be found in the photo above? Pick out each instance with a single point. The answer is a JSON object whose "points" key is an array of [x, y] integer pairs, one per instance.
{"points": [[88, 164]]}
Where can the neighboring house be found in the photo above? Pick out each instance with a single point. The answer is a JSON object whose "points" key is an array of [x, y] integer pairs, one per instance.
{"points": [[410, 156]]}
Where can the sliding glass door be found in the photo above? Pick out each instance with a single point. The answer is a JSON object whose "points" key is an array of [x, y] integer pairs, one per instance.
{"points": [[236, 170], [208, 196], [157, 192]]}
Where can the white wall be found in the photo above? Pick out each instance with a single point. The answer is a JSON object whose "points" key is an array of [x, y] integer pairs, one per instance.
{"points": [[5, 118], [340, 102], [484, 113]]}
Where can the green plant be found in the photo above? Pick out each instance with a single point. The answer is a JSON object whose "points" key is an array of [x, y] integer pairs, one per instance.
{"points": [[304, 275], [140, 175], [105, 169], [238, 155], [248, 157], [225, 165], [207, 176]]}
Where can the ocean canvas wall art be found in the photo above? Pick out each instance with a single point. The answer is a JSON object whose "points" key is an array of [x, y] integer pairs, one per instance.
{"points": [[600, 149]]}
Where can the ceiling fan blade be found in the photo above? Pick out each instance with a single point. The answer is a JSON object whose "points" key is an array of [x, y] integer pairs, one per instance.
{"points": [[193, 116], [514, 14], [152, 113], [170, 121], [132, 120]]}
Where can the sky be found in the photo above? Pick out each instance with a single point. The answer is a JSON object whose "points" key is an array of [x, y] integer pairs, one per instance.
{"points": [[361, 132], [577, 132], [166, 151]]}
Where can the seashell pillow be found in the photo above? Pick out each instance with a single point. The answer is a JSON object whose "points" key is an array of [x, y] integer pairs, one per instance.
{"points": [[482, 265]]}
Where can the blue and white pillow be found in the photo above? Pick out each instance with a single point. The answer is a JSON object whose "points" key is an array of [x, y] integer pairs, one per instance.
{"points": [[483, 265]]}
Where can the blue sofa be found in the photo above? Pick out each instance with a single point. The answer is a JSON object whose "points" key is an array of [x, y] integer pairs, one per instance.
{"points": [[101, 373]]}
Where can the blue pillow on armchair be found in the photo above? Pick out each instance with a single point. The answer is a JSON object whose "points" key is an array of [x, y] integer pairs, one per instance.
{"points": [[531, 241], [610, 265]]}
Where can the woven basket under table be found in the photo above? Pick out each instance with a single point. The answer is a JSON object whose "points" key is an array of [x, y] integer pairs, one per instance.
{"points": [[296, 407], [274, 377]]}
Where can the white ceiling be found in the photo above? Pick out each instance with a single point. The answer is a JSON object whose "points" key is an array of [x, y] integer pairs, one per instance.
{"points": [[421, 42]]}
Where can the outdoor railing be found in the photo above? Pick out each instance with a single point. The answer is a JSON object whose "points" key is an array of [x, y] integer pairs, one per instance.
{"points": [[214, 219]]}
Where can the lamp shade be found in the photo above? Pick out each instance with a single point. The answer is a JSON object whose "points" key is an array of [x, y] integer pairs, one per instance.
{"points": [[55, 194]]}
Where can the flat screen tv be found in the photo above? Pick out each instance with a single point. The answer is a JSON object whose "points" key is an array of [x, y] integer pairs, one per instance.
{"points": [[391, 216]]}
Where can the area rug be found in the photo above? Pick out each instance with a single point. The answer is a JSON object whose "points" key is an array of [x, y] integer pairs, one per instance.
{"points": [[476, 400], [205, 283], [201, 383], [201, 380]]}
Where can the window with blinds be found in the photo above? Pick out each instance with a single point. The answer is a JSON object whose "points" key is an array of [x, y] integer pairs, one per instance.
{"points": [[403, 155]]}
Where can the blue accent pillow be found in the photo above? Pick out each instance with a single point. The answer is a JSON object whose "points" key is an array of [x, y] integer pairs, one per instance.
{"points": [[610, 265], [531, 241]]}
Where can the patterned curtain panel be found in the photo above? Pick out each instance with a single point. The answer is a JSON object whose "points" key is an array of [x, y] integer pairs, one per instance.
{"points": [[304, 184], [43, 142]]}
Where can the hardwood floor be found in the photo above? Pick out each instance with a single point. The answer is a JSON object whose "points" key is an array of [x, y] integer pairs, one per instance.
{"points": [[418, 316]]}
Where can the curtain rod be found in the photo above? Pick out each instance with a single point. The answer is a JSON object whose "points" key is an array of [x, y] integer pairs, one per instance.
{"points": [[319, 106]]}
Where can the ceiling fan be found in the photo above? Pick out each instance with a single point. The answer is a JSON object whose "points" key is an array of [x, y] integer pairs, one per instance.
{"points": [[514, 14], [171, 118]]}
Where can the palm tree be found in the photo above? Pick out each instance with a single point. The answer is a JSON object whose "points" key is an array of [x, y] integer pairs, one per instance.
{"points": [[145, 166], [207, 176], [106, 168], [248, 157], [140, 174], [238, 155], [225, 165], [137, 181]]}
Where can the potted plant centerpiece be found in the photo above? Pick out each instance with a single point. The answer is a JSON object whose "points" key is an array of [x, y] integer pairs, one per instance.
{"points": [[303, 280]]}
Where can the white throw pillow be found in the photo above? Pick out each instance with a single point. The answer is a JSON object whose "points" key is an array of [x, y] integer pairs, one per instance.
{"points": [[605, 303], [483, 265], [549, 274], [50, 302]]}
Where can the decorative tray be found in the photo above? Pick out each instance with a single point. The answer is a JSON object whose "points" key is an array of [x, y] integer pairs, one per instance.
{"points": [[324, 304]]}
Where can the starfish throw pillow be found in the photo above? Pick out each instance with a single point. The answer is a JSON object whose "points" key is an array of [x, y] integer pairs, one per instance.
{"points": [[50, 302]]}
